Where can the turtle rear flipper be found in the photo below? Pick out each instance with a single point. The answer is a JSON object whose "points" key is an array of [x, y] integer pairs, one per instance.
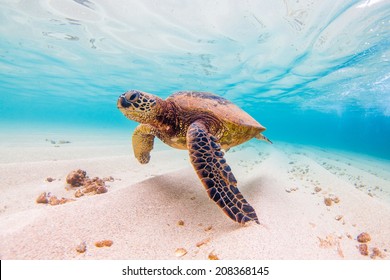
{"points": [[215, 174]]}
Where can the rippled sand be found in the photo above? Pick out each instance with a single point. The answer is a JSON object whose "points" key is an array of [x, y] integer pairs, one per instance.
{"points": [[151, 211]]}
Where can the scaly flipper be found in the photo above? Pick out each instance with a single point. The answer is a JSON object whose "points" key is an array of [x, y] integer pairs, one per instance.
{"points": [[143, 139], [207, 159]]}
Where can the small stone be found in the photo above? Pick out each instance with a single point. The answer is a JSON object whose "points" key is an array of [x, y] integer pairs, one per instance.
{"points": [[317, 189], [328, 201], [180, 223], [81, 248], [99, 244], [203, 242], [364, 237], [98, 181], [108, 179], [335, 199], [376, 253], [180, 252], [78, 193], [212, 256], [50, 179], [42, 198], [363, 249], [53, 200], [76, 178], [208, 228], [89, 189], [338, 217], [104, 243], [64, 200], [101, 189], [292, 189], [108, 243]]}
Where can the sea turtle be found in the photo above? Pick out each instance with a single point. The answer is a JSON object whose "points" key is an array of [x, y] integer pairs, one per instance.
{"points": [[203, 123]]}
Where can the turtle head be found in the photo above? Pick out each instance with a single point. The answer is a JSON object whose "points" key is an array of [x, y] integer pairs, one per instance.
{"points": [[138, 106]]}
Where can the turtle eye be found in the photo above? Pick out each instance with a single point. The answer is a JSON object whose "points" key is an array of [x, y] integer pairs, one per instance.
{"points": [[132, 96]]}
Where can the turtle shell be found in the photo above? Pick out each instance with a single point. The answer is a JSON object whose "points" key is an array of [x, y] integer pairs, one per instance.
{"points": [[219, 107]]}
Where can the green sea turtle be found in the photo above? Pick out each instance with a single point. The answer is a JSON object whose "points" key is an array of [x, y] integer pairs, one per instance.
{"points": [[203, 123]]}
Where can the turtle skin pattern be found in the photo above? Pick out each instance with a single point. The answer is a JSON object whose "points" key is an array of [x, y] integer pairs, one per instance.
{"points": [[215, 174]]}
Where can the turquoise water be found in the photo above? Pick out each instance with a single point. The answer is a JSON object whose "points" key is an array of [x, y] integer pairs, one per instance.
{"points": [[313, 72]]}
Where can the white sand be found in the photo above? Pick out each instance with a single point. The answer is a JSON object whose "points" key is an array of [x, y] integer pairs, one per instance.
{"points": [[141, 210]]}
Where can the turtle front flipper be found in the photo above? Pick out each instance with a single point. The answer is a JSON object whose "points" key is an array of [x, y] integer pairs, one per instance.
{"points": [[207, 158], [143, 140]]}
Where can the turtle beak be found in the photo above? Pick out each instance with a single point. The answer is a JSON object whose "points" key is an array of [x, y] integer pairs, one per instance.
{"points": [[119, 103], [122, 102]]}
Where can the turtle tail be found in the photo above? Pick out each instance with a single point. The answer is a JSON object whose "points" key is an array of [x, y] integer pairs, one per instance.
{"points": [[262, 137]]}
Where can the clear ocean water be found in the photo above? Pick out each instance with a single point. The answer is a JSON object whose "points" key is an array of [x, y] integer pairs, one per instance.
{"points": [[313, 72]]}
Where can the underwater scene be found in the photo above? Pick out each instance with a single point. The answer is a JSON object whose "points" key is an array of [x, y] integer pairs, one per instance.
{"points": [[265, 129]]}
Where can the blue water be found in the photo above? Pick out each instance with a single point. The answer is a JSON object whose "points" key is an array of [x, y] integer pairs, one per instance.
{"points": [[313, 72]]}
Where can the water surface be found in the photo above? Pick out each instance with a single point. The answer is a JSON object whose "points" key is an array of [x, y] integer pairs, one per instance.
{"points": [[313, 72]]}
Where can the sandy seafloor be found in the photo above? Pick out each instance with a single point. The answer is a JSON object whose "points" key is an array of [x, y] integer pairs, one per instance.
{"points": [[141, 211]]}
